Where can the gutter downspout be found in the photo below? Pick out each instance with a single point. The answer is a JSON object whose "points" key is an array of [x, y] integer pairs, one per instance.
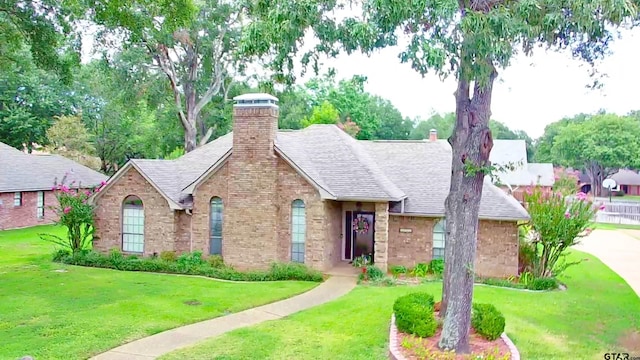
{"points": [[402, 206]]}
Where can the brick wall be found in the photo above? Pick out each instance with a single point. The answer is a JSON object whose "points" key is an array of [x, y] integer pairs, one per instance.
{"points": [[497, 251], [292, 186], [251, 210], [159, 219], [26, 215], [214, 186], [335, 230]]}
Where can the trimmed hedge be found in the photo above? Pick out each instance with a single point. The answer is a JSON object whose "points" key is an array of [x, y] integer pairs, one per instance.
{"points": [[535, 284], [188, 264], [414, 314], [487, 321]]}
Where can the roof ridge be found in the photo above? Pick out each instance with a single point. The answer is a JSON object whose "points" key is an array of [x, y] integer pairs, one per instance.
{"points": [[371, 166]]}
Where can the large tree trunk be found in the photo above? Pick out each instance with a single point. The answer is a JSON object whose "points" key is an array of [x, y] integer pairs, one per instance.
{"points": [[471, 143], [596, 175]]}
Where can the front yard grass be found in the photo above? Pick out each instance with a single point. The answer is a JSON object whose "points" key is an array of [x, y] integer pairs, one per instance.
{"points": [[608, 226], [583, 322], [56, 311]]}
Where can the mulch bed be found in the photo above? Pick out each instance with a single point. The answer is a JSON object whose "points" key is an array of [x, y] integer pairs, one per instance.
{"points": [[423, 346]]}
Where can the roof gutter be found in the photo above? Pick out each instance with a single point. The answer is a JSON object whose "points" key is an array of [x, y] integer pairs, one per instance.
{"points": [[426, 215]]}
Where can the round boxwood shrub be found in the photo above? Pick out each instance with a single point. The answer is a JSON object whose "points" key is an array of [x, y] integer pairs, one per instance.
{"points": [[487, 321], [414, 314]]}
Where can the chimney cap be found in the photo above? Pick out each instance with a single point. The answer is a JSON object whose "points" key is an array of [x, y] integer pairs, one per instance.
{"points": [[433, 131], [255, 100]]}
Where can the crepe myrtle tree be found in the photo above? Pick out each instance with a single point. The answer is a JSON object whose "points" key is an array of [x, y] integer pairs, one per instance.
{"points": [[467, 39]]}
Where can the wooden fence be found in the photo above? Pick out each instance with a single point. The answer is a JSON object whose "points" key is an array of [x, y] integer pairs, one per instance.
{"points": [[620, 213]]}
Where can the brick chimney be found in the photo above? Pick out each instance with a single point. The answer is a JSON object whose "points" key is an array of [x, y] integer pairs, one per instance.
{"points": [[433, 135], [255, 123], [250, 211]]}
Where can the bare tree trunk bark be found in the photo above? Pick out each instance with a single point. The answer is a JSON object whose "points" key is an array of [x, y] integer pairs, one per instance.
{"points": [[471, 143], [596, 175]]}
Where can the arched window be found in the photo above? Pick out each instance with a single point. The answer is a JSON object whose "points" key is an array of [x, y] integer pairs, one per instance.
{"points": [[215, 235], [298, 230], [132, 225], [439, 237]]}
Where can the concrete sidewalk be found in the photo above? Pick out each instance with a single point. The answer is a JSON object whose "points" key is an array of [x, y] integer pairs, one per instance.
{"points": [[159, 344], [618, 250]]}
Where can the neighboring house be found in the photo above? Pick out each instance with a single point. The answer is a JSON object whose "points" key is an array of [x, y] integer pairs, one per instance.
{"points": [[518, 172], [315, 196], [26, 181], [627, 181]]}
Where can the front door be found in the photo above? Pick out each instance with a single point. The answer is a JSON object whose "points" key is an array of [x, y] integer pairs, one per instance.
{"points": [[359, 234]]}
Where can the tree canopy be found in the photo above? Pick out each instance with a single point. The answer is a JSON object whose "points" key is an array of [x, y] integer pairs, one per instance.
{"points": [[470, 40]]}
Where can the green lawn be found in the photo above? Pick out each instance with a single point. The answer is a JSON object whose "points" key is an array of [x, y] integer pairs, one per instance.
{"points": [[583, 322], [606, 226], [83, 311]]}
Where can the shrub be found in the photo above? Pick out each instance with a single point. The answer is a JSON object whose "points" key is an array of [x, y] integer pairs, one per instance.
{"points": [[75, 213], [293, 271], [215, 261], [373, 273], [190, 266], [487, 321], [420, 270], [398, 269], [436, 266], [557, 223], [414, 314], [543, 284], [168, 256]]}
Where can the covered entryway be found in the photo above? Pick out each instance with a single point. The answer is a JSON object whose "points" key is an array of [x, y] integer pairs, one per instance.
{"points": [[359, 235]]}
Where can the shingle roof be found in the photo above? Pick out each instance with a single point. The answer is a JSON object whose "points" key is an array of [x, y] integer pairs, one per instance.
{"points": [[514, 153], [338, 163], [172, 176], [626, 177], [423, 170], [345, 169], [28, 172]]}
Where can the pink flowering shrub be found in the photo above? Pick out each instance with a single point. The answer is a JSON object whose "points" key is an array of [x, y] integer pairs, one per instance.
{"points": [[557, 223], [566, 182], [75, 213]]}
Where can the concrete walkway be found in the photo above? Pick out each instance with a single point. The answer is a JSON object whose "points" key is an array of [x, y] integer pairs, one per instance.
{"points": [[618, 250], [159, 344]]}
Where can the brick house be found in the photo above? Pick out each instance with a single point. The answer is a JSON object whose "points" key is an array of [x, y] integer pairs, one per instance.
{"points": [[520, 173], [26, 181], [316, 196]]}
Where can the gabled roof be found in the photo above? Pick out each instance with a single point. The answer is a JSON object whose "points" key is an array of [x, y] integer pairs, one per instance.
{"points": [[338, 163], [626, 177], [513, 153], [422, 169], [28, 172], [341, 168]]}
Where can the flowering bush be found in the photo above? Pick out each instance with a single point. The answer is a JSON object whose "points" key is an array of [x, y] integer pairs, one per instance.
{"points": [[566, 182], [75, 213], [557, 223]]}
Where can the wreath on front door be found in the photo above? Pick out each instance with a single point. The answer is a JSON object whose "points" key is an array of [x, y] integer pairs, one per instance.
{"points": [[360, 225]]}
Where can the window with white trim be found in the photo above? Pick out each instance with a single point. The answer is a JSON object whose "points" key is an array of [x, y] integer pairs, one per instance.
{"points": [[439, 238], [215, 236], [17, 199], [298, 230], [132, 225], [40, 205]]}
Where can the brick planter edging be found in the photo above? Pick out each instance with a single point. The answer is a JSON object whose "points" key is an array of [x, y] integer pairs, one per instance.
{"points": [[396, 354]]}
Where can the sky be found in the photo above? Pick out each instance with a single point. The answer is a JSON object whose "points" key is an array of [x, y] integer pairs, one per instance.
{"points": [[533, 92]]}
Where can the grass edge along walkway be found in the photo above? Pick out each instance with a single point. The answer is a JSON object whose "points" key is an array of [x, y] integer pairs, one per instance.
{"points": [[175, 339]]}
